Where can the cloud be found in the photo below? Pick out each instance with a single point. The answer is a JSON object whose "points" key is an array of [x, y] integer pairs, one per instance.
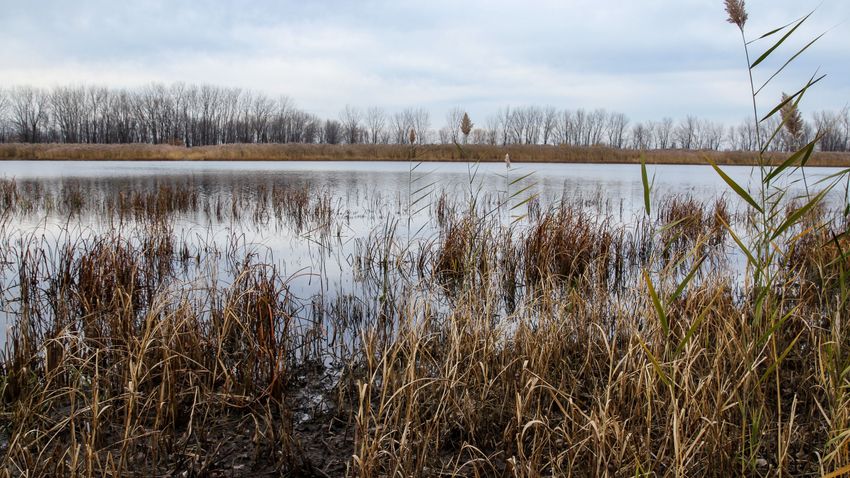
{"points": [[648, 59]]}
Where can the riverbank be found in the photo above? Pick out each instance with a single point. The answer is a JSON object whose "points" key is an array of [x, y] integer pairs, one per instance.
{"points": [[382, 152]]}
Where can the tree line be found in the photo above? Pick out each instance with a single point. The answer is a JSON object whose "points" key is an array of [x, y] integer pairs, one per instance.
{"points": [[200, 115]]}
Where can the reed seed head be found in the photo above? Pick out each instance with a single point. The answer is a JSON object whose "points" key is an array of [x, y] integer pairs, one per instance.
{"points": [[791, 118], [466, 125], [737, 12]]}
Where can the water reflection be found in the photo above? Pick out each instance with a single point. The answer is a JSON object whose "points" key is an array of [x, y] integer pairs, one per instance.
{"points": [[314, 221]]}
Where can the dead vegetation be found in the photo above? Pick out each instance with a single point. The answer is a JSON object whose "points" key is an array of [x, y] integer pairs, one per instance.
{"points": [[490, 350], [368, 152]]}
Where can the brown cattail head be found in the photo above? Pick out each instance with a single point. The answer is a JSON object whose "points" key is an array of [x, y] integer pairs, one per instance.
{"points": [[737, 13], [412, 136], [508, 160]]}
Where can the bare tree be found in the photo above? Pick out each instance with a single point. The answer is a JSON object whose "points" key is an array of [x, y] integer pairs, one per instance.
{"points": [[376, 120], [663, 132], [4, 101], [444, 135], [480, 136], [492, 130], [453, 119], [262, 109], [578, 128], [401, 124], [597, 123], [201, 115], [332, 132], [420, 121], [533, 123], [640, 136], [68, 105], [350, 118], [524, 125], [564, 128], [686, 133], [833, 129], [4, 104], [550, 122], [504, 124], [282, 124], [29, 112], [617, 124]]}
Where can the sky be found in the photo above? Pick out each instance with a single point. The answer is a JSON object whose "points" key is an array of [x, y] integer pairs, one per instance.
{"points": [[648, 59]]}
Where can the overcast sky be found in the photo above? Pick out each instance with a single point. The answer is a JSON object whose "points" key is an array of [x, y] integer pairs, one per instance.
{"points": [[648, 58]]}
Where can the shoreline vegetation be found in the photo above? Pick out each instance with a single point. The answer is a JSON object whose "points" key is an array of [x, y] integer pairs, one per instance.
{"points": [[384, 152], [485, 348]]}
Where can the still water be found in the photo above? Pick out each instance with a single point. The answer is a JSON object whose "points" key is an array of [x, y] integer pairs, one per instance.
{"points": [[367, 199], [359, 178]]}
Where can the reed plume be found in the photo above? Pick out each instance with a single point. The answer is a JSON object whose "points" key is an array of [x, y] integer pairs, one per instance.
{"points": [[465, 127], [792, 120], [737, 13]]}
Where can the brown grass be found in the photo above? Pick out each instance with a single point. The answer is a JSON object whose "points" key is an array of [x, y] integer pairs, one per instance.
{"points": [[362, 152], [514, 353]]}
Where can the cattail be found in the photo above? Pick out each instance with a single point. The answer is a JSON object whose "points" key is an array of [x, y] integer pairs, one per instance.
{"points": [[412, 136], [508, 160], [737, 13]]}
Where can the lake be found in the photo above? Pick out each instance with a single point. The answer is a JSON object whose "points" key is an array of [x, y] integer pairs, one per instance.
{"points": [[226, 212]]}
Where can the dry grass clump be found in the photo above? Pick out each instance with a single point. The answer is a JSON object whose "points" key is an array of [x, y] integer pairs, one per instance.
{"points": [[304, 208], [687, 222], [110, 369], [566, 245], [158, 200], [465, 252], [568, 390]]}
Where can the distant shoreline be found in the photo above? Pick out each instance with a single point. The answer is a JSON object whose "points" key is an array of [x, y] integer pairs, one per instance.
{"points": [[368, 152]]}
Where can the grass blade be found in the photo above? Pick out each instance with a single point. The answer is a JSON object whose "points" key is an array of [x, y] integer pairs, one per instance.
{"points": [[645, 180], [789, 62], [687, 279], [779, 360], [738, 241], [778, 43], [792, 97], [804, 153], [796, 215], [655, 363], [656, 302], [693, 328], [735, 186]]}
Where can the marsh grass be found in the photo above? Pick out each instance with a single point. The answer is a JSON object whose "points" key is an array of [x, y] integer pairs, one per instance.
{"points": [[368, 152], [495, 348]]}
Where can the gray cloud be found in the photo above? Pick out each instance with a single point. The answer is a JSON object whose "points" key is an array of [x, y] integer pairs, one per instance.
{"points": [[648, 59]]}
